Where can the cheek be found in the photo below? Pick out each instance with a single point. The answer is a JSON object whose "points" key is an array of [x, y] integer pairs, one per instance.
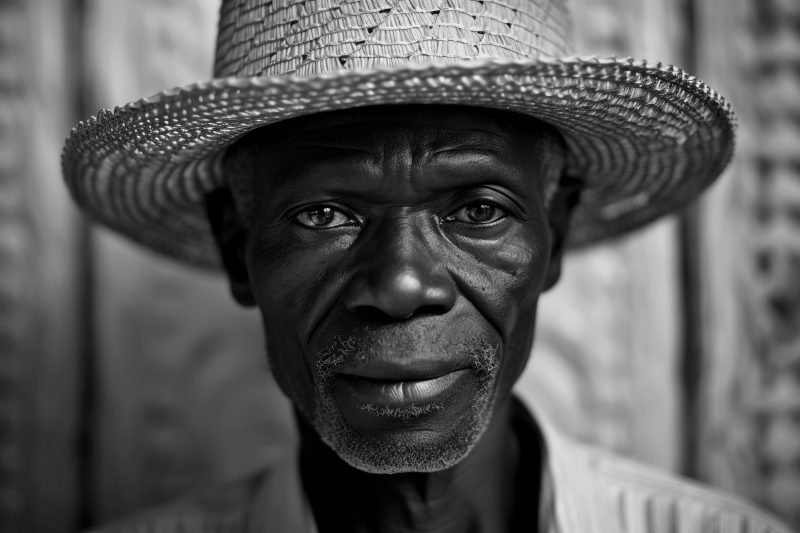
{"points": [[293, 280], [279, 278], [292, 283], [503, 280], [503, 277]]}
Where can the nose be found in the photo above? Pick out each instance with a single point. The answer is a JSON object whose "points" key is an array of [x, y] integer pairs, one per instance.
{"points": [[399, 276]]}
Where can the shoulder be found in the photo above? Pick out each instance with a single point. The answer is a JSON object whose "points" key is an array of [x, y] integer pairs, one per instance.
{"points": [[223, 509], [646, 499]]}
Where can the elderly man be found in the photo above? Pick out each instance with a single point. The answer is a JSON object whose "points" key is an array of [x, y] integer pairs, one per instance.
{"points": [[393, 185]]}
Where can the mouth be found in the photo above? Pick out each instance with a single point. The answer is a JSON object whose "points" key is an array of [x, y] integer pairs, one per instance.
{"points": [[392, 403], [398, 393], [378, 389]]}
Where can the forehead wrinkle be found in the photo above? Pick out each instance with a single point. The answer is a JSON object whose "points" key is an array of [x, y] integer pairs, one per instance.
{"points": [[395, 148], [410, 167], [297, 160], [469, 140], [307, 156], [385, 152]]}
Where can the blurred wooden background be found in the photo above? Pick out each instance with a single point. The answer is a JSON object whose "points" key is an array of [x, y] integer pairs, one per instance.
{"points": [[126, 379]]}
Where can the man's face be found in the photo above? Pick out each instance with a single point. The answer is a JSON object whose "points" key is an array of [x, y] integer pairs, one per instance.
{"points": [[397, 255]]}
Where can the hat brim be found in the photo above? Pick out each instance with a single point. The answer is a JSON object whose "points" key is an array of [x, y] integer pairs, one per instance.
{"points": [[645, 139]]}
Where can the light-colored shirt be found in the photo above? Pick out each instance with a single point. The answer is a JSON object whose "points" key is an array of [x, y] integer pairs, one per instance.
{"points": [[583, 490]]}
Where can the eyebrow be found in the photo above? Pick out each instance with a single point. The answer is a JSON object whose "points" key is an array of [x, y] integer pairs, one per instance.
{"points": [[471, 149], [331, 150]]}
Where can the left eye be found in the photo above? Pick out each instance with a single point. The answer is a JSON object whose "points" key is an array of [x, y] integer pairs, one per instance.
{"points": [[323, 216], [480, 212]]}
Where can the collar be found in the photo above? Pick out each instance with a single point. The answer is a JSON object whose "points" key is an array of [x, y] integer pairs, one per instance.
{"points": [[567, 484]]}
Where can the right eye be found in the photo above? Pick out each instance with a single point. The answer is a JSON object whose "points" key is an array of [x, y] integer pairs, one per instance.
{"points": [[323, 217], [478, 213]]}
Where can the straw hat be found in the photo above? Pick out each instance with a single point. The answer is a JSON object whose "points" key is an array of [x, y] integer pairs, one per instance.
{"points": [[645, 138]]}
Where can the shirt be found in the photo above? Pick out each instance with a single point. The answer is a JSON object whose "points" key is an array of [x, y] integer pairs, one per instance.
{"points": [[583, 490]]}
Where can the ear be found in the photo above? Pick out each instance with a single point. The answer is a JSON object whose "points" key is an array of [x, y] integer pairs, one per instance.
{"points": [[563, 203], [231, 237]]}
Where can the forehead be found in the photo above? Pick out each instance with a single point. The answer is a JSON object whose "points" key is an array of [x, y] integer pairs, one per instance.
{"points": [[338, 144], [427, 127], [435, 124]]}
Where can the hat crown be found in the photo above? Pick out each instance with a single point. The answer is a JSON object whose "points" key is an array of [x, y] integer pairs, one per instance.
{"points": [[310, 37]]}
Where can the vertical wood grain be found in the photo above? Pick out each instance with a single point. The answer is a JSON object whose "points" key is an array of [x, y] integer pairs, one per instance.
{"points": [[40, 281], [185, 395], [750, 441]]}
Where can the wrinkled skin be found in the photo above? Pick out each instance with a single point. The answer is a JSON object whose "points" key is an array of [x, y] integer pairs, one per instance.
{"points": [[390, 247]]}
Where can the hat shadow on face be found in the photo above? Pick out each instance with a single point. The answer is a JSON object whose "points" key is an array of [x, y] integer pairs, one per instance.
{"points": [[231, 229]]}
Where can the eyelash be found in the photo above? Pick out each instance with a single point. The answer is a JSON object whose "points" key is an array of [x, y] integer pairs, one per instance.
{"points": [[333, 211], [495, 206]]}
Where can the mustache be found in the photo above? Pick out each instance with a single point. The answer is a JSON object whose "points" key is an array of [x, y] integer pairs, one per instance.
{"points": [[368, 344]]}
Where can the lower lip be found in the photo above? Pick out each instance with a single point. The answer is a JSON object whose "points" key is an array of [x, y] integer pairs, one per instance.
{"points": [[400, 394]]}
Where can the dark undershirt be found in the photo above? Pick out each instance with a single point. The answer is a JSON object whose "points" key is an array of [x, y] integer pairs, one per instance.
{"points": [[529, 477], [328, 510]]}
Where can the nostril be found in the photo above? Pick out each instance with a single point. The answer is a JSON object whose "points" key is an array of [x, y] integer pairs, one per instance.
{"points": [[378, 314], [372, 313], [435, 309]]}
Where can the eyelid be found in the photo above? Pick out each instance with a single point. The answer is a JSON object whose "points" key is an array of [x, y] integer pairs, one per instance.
{"points": [[294, 213], [504, 214], [508, 200], [488, 195]]}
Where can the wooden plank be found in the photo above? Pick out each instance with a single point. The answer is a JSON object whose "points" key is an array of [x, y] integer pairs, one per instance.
{"points": [[750, 441], [40, 306], [185, 396]]}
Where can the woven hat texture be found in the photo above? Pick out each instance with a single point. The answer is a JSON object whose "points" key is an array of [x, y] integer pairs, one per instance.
{"points": [[645, 138]]}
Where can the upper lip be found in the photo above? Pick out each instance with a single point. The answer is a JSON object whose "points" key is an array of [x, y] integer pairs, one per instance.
{"points": [[415, 370]]}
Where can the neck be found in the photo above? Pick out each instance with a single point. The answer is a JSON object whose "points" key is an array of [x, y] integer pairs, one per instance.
{"points": [[476, 495]]}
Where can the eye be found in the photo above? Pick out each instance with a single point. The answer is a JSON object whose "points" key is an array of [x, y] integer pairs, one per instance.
{"points": [[323, 217], [479, 212]]}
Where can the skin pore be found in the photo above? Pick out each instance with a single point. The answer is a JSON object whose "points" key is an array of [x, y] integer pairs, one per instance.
{"points": [[397, 255]]}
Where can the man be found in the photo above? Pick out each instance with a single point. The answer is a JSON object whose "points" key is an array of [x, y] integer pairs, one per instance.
{"points": [[393, 184]]}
